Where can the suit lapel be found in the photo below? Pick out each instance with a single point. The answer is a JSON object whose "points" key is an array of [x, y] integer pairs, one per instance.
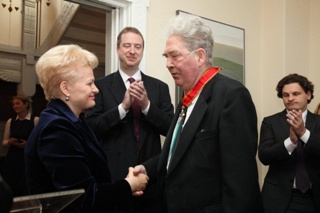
{"points": [[90, 138], [189, 132], [192, 124], [149, 88], [118, 90], [148, 84], [284, 124], [117, 87], [310, 121], [80, 124]]}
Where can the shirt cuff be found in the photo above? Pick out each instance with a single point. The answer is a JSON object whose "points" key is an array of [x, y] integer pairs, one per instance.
{"points": [[146, 110], [289, 145], [122, 111], [305, 136]]}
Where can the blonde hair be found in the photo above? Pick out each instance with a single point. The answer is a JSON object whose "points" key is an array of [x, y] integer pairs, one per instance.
{"points": [[61, 63], [24, 99]]}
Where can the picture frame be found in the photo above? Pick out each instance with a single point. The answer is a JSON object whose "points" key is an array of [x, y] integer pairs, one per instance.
{"points": [[228, 51]]}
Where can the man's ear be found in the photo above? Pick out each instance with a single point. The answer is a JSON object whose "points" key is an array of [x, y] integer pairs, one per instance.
{"points": [[64, 88], [201, 56], [309, 95]]}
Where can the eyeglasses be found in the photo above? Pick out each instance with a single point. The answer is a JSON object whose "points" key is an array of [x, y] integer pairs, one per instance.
{"points": [[177, 57]]}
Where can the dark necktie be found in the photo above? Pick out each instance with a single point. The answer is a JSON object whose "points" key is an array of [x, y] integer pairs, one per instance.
{"points": [[302, 177], [136, 116]]}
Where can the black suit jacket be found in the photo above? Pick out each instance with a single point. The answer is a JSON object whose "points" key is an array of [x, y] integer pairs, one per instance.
{"points": [[214, 167], [278, 183], [117, 136]]}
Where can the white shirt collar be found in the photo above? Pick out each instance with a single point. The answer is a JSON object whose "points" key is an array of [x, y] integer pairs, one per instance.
{"points": [[191, 106], [28, 117], [304, 115], [125, 77]]}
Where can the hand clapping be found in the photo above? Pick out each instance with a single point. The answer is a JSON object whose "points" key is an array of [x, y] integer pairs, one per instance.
{"points": [[297, 129]]}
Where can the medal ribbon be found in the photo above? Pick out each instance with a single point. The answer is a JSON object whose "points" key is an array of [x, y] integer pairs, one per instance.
{"points": [[207, 75]]}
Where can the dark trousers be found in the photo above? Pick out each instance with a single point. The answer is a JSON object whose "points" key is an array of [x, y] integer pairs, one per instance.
{"points": [[2, 164], [147, 203], [302, 202]]}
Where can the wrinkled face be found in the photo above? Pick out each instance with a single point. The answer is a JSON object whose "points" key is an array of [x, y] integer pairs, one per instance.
{"points": [[182, 63], [18, 106], [294, 97], [130, 51], [82, 91]]}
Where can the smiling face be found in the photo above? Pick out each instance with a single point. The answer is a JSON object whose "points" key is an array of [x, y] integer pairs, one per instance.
{"points": [[184, 65], [82, 91], [18, 106], [130, 52], [294, 97]]}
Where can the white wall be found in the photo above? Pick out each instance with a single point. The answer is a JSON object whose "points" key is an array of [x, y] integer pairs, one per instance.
{"points": [[314, 48], [281, 37], [10, 35], [246, 14]]}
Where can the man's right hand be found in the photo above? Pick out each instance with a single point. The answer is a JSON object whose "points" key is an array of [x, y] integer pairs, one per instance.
{"points": [[127, 101], [137, 182]]}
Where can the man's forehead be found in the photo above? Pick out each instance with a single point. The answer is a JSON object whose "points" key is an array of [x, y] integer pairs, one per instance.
{"points": [[292, 88], [131, 36], [292, 85]]}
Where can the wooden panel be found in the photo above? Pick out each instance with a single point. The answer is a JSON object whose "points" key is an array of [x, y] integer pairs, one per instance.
{"points": [[95, 19], [85, 35]]}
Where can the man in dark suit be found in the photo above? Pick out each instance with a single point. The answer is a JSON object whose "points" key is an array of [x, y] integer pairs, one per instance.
{"points": [[113, 119], [288, 138], [211, 166]]}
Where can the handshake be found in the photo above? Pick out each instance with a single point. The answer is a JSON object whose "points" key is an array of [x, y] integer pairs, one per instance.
{"points": [[137, 179]]}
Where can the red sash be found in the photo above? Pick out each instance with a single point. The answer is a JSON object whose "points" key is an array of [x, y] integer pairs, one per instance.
{"points": [[207, 75]]}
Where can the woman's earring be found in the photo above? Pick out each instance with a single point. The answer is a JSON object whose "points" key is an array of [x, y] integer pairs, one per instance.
{"points": [[67, 98]]}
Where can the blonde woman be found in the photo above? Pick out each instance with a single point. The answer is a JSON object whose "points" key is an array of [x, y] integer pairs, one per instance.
{"points": [[62, 152], [16, 133]]}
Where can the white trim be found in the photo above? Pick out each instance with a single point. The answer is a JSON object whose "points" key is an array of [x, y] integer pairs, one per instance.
{"points": [[115, 3], [114, 62]]}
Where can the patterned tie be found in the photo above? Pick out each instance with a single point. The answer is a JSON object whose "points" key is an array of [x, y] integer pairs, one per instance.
{"points": [[136, 116], [302, 177]]}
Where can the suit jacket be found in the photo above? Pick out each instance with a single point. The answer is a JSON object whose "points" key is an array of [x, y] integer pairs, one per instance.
{"points": [[213, 168], [278, 183], [62, 153], [118, 136]]}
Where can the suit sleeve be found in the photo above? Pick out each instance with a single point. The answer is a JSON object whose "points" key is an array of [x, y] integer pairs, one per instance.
{"points": [[271, 147], [160, 116], [102, 121], [238, 145], [313, 146]]}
